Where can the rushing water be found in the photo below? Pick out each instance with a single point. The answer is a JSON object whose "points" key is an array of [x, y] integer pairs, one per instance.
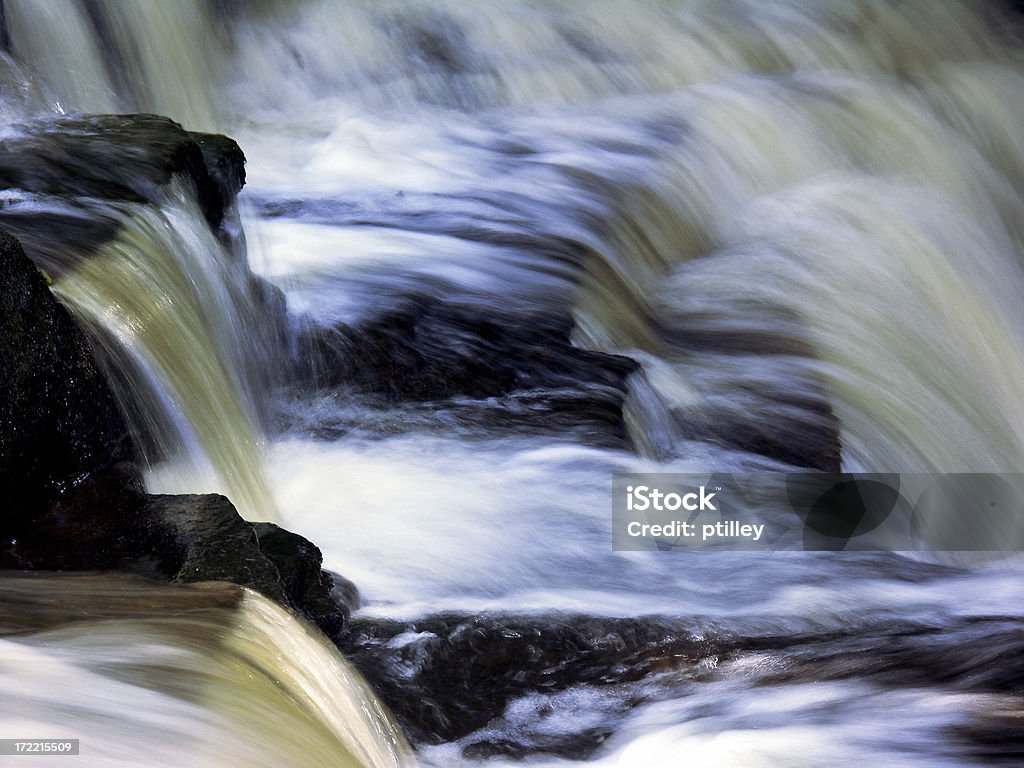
{"points": [[190, 350], [209, 671], [794, 216]]}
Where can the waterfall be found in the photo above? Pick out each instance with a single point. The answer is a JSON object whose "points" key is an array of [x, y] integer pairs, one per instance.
{"points": [[165, 294], [916, 213], [526, 246], [114, 56], [217, 675]]}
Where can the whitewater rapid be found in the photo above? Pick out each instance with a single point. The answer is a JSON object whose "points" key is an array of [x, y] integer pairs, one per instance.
{"points": [[801, 221]]}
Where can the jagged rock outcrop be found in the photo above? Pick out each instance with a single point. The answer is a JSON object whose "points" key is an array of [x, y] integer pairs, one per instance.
{"points": [[129, 158], [108, 522]]}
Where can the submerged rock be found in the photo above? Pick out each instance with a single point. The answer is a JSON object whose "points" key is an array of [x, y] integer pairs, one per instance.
{"points": [[445, 677], [569, 746], [491, 682]]}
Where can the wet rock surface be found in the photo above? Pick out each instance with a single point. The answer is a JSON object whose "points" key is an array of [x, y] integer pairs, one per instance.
{"points": [[129, 158], [448, 676], [432, 350], [517, 373], [323, 598], [488, 682], [107, 522], [58, 418]]}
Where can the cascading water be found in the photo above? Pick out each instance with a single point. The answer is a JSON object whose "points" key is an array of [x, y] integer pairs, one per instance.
{"points": [[167, 294], [119, 56], [217, 670], [176, 313], [801, 221]]}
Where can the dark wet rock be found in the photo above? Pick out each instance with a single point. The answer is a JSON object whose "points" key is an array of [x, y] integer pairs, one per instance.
{"points": [[439, 353], [93, 525], [47, 234], [995, 736], [217, 544], [799, 431], [59, 421], [225, 163], [1013, 7], [344, 592], [591, 417], [445, 677], [571, 746], [309, 588], [453, 677], [431, 351], [203, 538], [5, 32], [980, 655], [128, 158], [774, 401], [107, 522]]}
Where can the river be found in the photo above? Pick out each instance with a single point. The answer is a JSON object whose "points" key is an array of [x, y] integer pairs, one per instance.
{"points": [[802, 224]]}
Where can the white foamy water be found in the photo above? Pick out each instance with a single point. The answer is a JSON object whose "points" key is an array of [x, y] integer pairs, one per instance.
{"points": [[793, 216]]}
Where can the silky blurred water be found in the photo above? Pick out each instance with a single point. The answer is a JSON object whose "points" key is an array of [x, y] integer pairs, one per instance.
{"points": [[783, 211]]}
